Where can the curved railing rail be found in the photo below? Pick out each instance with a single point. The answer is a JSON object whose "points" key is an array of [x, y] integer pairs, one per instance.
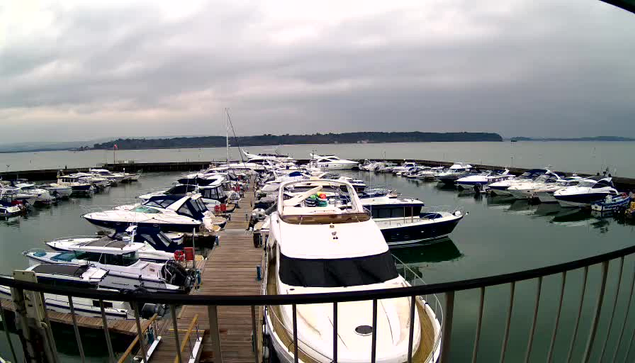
{"points": [[247, 300], [448, 289]]}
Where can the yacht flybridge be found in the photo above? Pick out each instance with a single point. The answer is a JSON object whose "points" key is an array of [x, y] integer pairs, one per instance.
{"points": [[332, 162], [321, 240]]}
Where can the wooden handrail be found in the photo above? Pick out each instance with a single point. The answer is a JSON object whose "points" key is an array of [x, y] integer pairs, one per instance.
{"points": [[187, 336], [136, 340]]}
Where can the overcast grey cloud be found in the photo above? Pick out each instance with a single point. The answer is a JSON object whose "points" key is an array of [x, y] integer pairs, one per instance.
{"points": [[80, 70]]}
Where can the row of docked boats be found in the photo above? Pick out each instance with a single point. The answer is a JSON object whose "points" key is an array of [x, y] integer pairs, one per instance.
{"points": [[325, 233], [402, 221], [597, 192], [140, 247], [18, 196]]}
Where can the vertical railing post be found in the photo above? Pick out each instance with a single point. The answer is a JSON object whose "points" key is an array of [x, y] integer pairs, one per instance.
{"points": [[294, 309], [447, 326], [142, 344], [254, 333], [335, 335], [577, 320], [596, 316], [411, 330], [48, 331], [78, 337], [175, 326], [508, 321], [533, 323], [479, 325], [557, 323], [628, 310], [373, 342], [214, 332], [111, 354], [617, 296], [6, 332]]}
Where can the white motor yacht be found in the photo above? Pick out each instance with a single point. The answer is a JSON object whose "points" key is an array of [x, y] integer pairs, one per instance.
{"points": [[42, 196], [500, 187], [114, 178], [428, 173], [403, 223], [79, 186], [321, 243], [126, 271], [483, 179], [158, 246], [399, 170], [58, 191], [332, 162], [453, 173], [526, 189], [80, 277], [170, 213], [10, 194], [545, 192], [584, 196]]}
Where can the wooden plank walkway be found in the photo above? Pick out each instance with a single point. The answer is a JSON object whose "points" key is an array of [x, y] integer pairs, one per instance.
{"points": [[229, 270], [126, 327]]}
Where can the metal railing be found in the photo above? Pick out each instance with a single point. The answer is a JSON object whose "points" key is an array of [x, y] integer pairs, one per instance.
{"points": [[603, 311]]}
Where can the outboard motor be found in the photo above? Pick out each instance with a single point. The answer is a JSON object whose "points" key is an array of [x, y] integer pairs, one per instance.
{"points": [[148, 310], [257, 215], [178, 275]]}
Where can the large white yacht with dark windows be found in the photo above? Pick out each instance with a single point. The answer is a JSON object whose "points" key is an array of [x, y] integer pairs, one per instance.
{"points": [[321, 240], [585, 195], [332, 162]]}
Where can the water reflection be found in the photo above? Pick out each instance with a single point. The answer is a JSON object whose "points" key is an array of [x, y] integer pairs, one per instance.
{"points": [[440, 251]]}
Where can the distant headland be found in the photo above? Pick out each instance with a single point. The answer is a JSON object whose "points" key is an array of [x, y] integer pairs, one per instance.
{"points": [[318, 138], [591, 138]]}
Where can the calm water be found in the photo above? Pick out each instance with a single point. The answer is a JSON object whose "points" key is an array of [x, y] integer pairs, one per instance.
{"points": [[588, 157], [497, 236]]}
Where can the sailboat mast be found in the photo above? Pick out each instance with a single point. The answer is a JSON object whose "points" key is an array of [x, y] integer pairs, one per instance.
{"points": [[227, 133]]}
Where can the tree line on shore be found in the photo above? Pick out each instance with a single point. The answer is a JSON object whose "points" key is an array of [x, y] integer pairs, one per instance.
{"points": [[269, 139]]}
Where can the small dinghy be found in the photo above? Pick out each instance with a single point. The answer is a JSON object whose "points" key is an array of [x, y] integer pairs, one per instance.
{"points": [[612, 203]]}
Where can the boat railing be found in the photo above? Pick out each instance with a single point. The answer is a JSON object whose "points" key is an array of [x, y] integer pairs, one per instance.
{"points": [[592, 321]]}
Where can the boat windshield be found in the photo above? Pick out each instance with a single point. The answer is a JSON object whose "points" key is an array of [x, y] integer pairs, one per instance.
{"points": [[144, 209], [340, 272]]}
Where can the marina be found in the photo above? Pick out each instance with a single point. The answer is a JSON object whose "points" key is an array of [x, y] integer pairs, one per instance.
{"points": [[234, 267]]}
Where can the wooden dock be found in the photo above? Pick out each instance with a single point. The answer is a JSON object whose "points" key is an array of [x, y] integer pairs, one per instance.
{"points": [[229, 270], [126, 327]]}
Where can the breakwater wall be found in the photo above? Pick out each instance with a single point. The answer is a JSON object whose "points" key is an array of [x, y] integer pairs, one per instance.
{"points": [[622, 183]]}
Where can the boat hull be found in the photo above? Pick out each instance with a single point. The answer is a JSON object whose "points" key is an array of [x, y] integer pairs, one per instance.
{"points": [[580, 200], [420, 232], [165, 227]]}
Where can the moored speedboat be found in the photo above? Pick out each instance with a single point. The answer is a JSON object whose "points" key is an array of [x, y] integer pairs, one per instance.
{"points": [[158, 247], [126, 271], [483, 179], [526, 190], [58, 191], [81, 277], [323, 245], [584, 196], [170, 213], [403, 223], [500, 188], [454, 172]]}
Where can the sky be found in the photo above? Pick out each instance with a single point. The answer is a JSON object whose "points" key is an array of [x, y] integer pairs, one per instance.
{"points": [[84, 70]]}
